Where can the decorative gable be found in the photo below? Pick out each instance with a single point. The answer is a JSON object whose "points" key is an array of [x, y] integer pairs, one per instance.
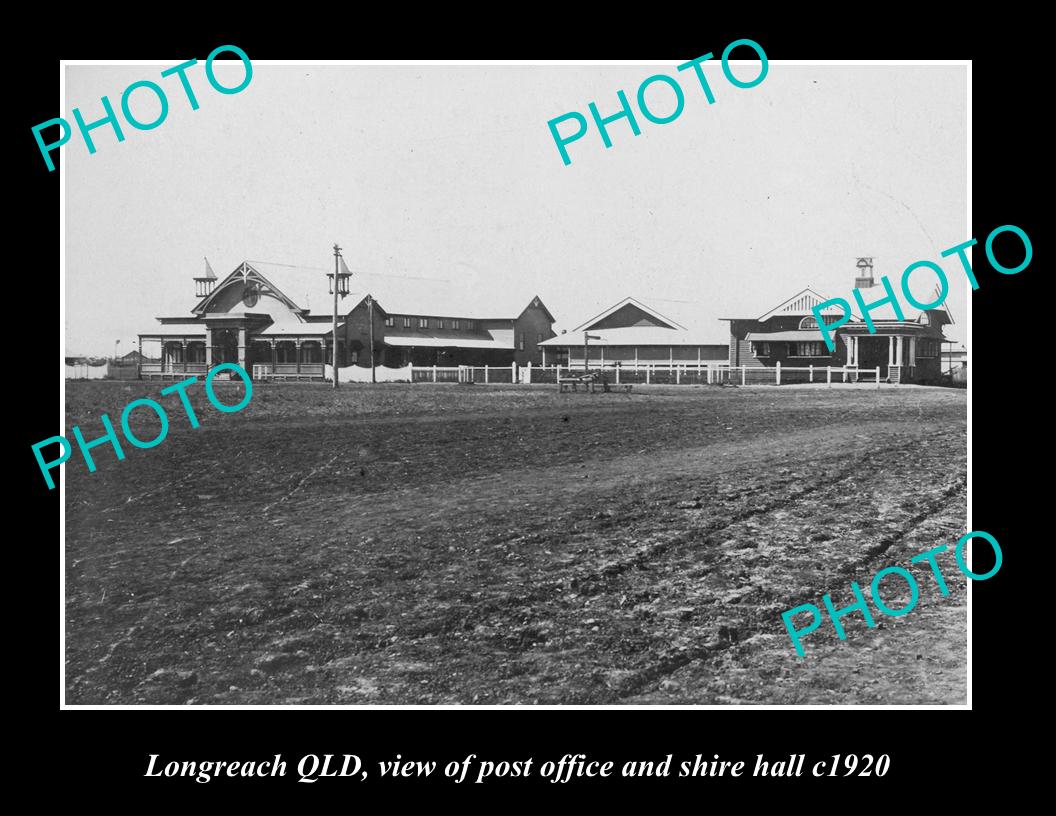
{"points": [[802, 304], [241, 290]]}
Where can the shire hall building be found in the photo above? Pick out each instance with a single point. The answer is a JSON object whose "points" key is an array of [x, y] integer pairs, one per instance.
{"points": [[278, 324], [906, 348]]}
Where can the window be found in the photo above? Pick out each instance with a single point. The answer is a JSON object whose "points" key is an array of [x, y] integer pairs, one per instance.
{"points": [[927, 348], [454, 324], [440, 323], [808, 323], [471, 325], [809, 349], [423, 322], [390, 322], [406, 322], [520, 342], [924, 319], [761, 349]]}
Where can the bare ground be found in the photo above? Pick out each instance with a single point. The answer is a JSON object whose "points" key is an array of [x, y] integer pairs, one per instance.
{"points": [[446, 544]]}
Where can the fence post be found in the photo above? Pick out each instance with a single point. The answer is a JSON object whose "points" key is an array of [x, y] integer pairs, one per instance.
{"points": [[778, 382], [878, 378], [648, 368], [485, 373], [828, 376], [617, 375], [709, 375], [744, 374], [812, 373], [513, 372], [528, 373], [434, 373], [845, 373], [678, 375], [557, 373]]}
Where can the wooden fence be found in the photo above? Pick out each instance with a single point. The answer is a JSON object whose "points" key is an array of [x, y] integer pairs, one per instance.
{"points": [[688, 374]]}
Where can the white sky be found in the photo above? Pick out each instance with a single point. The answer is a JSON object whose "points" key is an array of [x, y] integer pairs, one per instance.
{"points": [[451, 172]]}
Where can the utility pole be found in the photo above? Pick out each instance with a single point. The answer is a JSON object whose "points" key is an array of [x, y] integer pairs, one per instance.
{"points": [[337, 273], [370, 314]]}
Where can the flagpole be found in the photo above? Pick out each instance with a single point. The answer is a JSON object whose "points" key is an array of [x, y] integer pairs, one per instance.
{"points": [[337, 272]]}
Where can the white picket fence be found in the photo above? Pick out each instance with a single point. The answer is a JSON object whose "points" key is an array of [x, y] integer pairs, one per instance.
{"points": [[662, 374]]}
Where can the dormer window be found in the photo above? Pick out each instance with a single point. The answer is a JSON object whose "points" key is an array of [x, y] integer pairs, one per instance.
{"points": [[808, 323], [924, 319]]}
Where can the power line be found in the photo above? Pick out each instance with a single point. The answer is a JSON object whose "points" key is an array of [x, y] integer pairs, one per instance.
{"points": [[404, 277], [290, 266], [362, 274]]}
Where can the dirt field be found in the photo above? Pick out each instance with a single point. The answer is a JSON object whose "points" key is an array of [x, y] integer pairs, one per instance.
{"points": [[453, 544]]}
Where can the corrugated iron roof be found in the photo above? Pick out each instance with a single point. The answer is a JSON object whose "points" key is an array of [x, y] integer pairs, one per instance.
{"points": [[637, 336], [795, 335], [426, 341], [685, 317]]}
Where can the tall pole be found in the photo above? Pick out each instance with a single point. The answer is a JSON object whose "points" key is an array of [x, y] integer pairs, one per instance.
{"points": [[586, 360], [337, 285], [370, 313]]}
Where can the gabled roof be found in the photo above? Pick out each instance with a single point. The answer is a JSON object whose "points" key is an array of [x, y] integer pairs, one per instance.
{"points": [[677, 323], [802, 303], [246, 272], [638, 336], [306, 291], [589, 324], [457, 297], [443, 307]]}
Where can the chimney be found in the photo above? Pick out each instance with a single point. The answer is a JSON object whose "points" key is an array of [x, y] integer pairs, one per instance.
{"points": [[864, 278]]}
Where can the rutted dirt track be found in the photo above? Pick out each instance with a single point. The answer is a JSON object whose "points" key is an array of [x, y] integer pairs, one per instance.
{"points": [[444, 544]]}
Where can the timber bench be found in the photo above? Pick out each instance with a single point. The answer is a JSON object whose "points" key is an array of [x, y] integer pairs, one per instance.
{"points": [[588, 382]]}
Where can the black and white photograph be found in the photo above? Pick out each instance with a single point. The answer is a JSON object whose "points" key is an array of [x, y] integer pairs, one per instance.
{"points": [[511, 383]]}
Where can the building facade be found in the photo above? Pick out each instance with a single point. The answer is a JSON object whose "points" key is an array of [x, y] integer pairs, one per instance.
{"points": [[634, 333], [445, 336], [263, 323], [905, 348]]}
